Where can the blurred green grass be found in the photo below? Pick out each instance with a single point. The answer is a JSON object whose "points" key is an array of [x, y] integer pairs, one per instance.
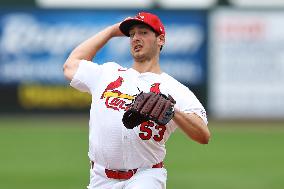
{"points": [[50, 152]]}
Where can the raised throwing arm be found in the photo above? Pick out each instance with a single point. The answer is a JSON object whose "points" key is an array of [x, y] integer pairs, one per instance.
{"points": [[88, 49]]}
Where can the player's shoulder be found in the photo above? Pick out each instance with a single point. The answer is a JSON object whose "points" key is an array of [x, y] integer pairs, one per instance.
{"points": [[175, 84], [112, 66], [90, 65]]}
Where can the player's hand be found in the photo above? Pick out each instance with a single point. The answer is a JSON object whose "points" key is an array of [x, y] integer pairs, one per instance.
{"points": [[116, 31]]}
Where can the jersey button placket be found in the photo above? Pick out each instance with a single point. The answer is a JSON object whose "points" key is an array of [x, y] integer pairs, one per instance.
{"points": [[124, 146]]}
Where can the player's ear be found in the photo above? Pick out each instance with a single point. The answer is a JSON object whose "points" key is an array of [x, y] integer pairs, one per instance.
{"points": [[161, 39]]}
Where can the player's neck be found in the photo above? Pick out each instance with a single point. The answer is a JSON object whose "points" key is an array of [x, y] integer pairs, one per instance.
{"points": [[147, 66]]}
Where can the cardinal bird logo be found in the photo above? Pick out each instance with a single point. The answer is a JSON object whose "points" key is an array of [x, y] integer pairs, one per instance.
{"points": [[113, 85], [114, 98], [155, 88]]}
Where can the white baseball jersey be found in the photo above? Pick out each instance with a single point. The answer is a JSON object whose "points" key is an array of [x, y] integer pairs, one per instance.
{"points": [[113, 88]]}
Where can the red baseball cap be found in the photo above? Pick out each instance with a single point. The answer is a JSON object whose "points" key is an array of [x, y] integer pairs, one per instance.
{"points": [[143, 18]]}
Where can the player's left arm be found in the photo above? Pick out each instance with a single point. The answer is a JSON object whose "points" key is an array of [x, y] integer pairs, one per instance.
{"points": [[193, 126]]}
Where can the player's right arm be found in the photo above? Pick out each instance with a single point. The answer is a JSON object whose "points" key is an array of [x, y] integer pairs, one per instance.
{"points": [[88, 49]]}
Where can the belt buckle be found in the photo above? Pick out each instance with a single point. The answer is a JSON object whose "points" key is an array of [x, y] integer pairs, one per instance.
{"points": [[130, 173], [120, 174]]}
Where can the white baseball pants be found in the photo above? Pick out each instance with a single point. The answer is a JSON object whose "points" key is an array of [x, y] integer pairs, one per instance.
{"points": [[145, 178]]}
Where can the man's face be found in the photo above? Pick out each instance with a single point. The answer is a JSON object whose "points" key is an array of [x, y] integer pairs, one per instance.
{"points": [[144, 42]]}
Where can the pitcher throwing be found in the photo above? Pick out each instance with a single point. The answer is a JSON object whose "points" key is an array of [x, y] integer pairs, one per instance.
{"points": [[134, 110]]}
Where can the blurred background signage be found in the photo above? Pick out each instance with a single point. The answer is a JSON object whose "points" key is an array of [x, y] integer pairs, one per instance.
{"points": [[242, 47], [127, 3], [35, 44], [247, 64]]}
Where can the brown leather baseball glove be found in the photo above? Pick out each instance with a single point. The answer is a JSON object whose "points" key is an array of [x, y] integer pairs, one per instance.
{"points": [[149, 106]]}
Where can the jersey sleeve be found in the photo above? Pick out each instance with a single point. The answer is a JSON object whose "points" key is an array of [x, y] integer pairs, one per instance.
{"points": [[86, 76], [190, 104]]}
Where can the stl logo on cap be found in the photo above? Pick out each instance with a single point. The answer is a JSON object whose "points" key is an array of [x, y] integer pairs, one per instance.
{"points": [[145, 18], [140, 17]]}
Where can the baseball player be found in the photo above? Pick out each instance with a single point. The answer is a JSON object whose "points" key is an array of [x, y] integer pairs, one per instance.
{"points": [[134, 110]]}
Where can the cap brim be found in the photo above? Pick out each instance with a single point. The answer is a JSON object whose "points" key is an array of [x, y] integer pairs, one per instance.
{"points": [[127, 24]]}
